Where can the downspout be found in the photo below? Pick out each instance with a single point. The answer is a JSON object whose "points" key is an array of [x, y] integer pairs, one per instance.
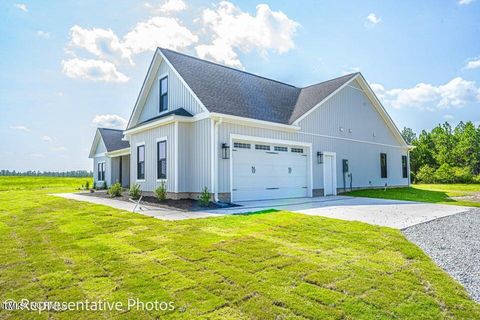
{"points": [[215, 159]]}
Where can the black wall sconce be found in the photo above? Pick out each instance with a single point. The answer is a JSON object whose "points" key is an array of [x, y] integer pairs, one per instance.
{"points": [[319, 157], [225, 151]]}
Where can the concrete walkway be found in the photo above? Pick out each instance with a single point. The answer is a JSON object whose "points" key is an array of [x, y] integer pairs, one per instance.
{"points": [[151, 211], [382, 212]]}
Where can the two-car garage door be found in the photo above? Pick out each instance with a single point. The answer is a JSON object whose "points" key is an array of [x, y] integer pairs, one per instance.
{"points": [[268, 171]]}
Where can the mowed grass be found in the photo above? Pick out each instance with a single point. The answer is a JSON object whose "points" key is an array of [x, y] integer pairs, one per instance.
{"points": [[433, 193], [271, 265]]}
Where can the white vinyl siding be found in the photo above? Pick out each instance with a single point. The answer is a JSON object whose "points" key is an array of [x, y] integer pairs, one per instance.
{"points": [[178, 95]]}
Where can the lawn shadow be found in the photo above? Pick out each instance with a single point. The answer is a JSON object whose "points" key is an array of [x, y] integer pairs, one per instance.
{"points": [[256, 212]]}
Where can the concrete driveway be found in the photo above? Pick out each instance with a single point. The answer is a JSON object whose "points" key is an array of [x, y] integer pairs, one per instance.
{"points": [[389, 213]]}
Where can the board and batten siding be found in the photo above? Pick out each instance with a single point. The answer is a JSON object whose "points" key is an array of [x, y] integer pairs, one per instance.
{"points": [[350, 110], [178, 95], [349, 114], [150, 139], [101, 149], [194, 154]]}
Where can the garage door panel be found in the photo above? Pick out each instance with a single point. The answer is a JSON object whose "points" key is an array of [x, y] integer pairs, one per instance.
{"points": [[259, 174]]}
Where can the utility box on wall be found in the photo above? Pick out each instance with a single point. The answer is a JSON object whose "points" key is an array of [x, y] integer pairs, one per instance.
{"points": [[345, 165]]}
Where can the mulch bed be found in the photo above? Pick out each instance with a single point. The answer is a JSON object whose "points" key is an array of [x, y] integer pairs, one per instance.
{"points": [[180, 204]]}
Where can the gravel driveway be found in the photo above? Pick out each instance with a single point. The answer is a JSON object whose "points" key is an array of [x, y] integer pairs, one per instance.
{"points": [[453, 242]]}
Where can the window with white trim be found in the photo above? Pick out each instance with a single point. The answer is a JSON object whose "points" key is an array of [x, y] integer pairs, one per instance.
{"points": [[101, 171], [141, 162], [163, 93], [262, 147], [383, 165], [297, 150], [241, 145], [162, 159]]}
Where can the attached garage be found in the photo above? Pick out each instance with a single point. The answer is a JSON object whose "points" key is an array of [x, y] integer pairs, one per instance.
{"points": [[263, 170]]}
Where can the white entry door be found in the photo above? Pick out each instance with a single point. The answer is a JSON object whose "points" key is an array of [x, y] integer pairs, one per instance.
{"points": [[263, 171], [329, 175]]}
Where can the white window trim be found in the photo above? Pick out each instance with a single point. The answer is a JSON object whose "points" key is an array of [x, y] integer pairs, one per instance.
{"points": [[138, 144], [160, 77], [105, 170], [334, 164], [156, 157], [236, 137]]}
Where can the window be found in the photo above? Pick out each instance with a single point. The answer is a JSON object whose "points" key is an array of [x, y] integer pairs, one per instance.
{"points": [[383, 165], [404, 167], [262, 147], [101, 171], [163, 94], [277, 148], [297, 150], [141, 162], [162, 160], [241, 145]]}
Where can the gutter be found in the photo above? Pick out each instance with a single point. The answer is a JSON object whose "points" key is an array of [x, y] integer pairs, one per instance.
{"points": [[215, 157]]}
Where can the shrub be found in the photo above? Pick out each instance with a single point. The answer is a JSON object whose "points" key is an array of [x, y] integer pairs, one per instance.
{"points": [[444, 174], [87, 185], [204, 197], [161, 191], [425, 174], [115, 190], [104, 185], [135, 192], [462, 175]]}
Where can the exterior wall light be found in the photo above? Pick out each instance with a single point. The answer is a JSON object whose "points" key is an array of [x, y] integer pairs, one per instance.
{"points": [[225, 151], [319, 157]]}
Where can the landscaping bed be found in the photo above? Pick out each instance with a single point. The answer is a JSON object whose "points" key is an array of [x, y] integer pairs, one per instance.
{"points": [[174, 204]]}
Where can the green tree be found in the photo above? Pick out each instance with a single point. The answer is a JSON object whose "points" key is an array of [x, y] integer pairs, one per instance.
{"points": [[408, 135]]}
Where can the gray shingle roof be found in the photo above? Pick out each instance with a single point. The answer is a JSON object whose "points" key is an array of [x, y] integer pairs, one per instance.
{"points": [[230, 91], [113, 139], [177, 112]]}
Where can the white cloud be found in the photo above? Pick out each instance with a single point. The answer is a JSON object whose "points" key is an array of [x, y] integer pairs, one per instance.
{"points": [[22, 6], [158, 32], [232, 29], [97, 70], [473, 64], [109, 121], [465, 2], [47, 138], [103, 43], [58, 148], [455, 93], [145, 36], [169, 6], [37, 155], [21, 128], [448, 117], [372, 19], [348, 70], [43, 34]]}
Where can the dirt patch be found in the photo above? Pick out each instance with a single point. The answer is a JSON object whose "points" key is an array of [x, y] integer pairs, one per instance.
{"points": [[179, 204], [474, 197]]}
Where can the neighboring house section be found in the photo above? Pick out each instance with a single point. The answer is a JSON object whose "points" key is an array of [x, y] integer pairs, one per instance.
{"points": [[198, 124], [111, 158]]}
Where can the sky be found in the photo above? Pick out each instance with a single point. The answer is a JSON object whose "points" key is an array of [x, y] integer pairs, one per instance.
{"points": [[67, 67]]}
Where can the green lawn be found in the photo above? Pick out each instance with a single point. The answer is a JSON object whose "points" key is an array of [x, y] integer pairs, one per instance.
{"points": [[434, 193], [272, 265]]}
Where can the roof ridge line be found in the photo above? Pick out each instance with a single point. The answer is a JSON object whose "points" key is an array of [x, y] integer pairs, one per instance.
{"points": [[231, 68], [347, 75]]}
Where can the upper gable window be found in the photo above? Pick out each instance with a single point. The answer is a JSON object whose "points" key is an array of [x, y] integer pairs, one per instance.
{"points": [[163, 94]]}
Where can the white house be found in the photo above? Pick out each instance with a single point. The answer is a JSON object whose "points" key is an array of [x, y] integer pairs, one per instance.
{"points": [[199, 124]]}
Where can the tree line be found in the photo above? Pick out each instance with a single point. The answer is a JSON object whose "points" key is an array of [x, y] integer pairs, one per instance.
{"points": [[445, 154], [36, 173]]}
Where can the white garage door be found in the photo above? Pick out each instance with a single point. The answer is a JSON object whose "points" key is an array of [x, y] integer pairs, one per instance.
{"points": [[268, 171]]}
